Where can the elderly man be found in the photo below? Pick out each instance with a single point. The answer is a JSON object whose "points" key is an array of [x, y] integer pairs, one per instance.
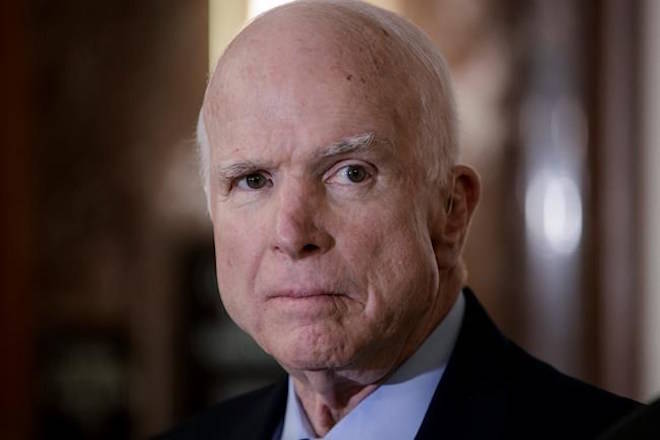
{"points": [[339, 212]]}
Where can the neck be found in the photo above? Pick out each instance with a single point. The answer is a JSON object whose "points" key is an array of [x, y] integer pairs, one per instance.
{"points": [[328, 395], [327, 398]]}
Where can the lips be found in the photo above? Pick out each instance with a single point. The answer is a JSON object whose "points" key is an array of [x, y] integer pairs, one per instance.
{"points": [[299, 293]]}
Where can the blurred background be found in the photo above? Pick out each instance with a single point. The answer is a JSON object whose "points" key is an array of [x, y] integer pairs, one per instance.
{"points": [[110, 323]]}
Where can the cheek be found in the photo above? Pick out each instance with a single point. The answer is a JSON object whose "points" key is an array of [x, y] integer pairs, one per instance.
{"points": [[224, 261], [237, 245], [394, 252], [237, 260], [224, 237]]}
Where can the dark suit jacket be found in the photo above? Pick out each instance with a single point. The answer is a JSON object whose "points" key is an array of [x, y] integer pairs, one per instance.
{"points": [[491, 389], [643, 424]]}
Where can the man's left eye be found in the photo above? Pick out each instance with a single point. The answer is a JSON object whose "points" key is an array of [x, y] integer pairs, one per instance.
{"points": [[351, 174], [355, 173]]}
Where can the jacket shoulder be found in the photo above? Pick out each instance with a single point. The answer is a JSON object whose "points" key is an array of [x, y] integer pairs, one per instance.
{"points": [[252, 415], [543, 396], [492, 388]]}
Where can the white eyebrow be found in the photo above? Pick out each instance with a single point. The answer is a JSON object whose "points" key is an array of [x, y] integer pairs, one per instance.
{"points": [[236, 169], [350, 145]]}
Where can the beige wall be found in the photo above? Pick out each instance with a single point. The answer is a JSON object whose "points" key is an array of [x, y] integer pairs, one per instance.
{"points": [[225, 19]]}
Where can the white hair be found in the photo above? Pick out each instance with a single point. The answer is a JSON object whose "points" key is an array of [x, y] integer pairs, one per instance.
{"points": [[204, 154], [437, 143]]}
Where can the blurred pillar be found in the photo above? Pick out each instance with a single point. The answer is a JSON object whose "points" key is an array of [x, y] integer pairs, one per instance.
{"points": [[15, 296], [554, 140], [615, 187], [650, 204]]}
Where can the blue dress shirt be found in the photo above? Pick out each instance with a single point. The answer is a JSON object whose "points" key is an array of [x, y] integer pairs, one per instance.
{"points": [[396, 409]]}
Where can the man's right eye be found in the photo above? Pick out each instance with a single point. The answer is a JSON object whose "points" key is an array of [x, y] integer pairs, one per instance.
{"points": [[253, 181]]}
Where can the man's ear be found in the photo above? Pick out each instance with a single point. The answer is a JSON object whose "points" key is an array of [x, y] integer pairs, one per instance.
{"points": [[451, 225]]}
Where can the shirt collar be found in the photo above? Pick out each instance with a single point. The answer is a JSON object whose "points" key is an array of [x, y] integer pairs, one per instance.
{"points": [[395, 409]]}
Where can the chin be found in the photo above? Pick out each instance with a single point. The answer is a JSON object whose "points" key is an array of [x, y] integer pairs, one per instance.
{"points": [[299, 353]]}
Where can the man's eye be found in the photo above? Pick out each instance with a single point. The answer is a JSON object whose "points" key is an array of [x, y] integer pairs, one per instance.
{"points": [[253, 181], [356, 173], [350, 174]]}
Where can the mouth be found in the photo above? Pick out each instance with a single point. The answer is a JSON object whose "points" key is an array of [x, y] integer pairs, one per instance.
{"points": [[307, 306], [303, 294]]}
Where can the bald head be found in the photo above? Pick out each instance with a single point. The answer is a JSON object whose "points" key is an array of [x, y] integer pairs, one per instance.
{"points": [[382, 59]]}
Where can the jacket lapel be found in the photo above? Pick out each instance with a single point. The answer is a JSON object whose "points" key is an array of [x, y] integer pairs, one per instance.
{"points": [[261, 415], [470, 401]]}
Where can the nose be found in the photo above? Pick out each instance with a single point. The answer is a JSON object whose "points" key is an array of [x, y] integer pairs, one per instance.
{"points": [[299, 232]]}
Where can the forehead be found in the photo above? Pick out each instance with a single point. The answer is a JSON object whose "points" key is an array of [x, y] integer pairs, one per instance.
{"points": [[293, 78]]}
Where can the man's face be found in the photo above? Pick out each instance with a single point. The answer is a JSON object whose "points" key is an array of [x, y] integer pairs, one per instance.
{"points": [[323, 248]]}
